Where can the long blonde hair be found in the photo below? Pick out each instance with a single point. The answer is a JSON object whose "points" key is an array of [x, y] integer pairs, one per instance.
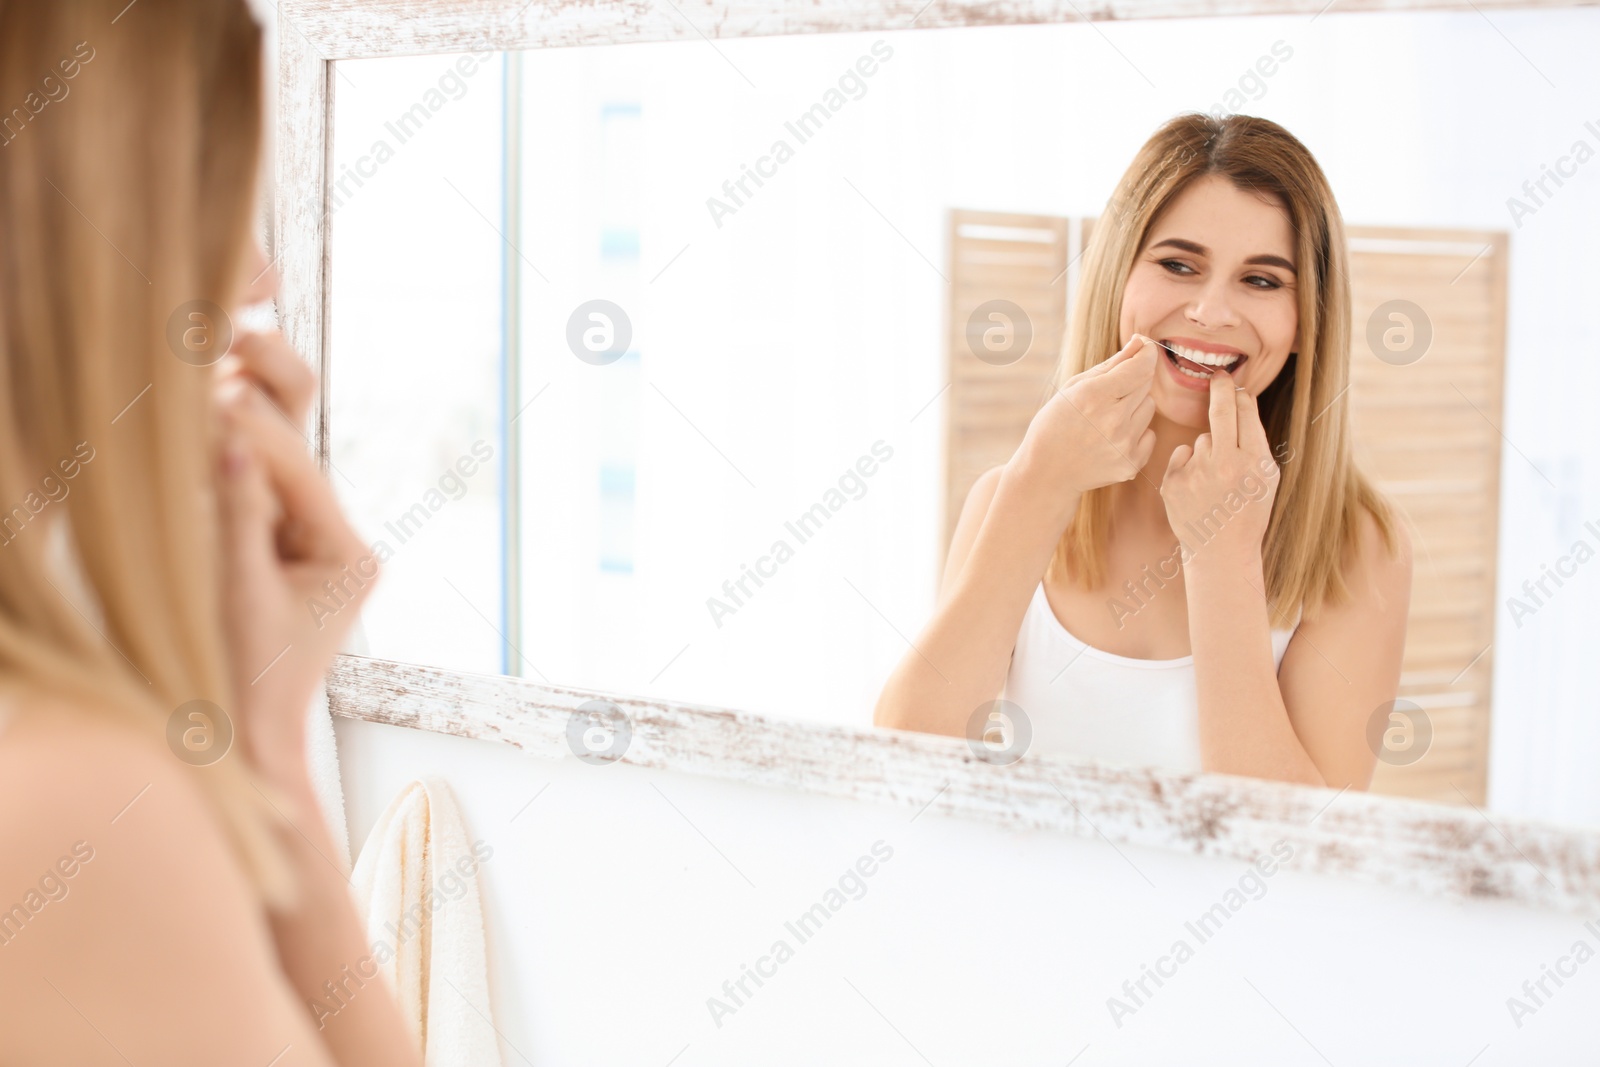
{"points": [[1321, 493], [132, 137]]}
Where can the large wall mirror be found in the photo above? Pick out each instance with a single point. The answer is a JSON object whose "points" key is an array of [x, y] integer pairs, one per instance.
{"points": [[663, 368], [653, 371]]}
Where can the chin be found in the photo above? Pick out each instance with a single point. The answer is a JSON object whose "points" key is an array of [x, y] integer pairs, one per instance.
{"points": [[1196, 417]]}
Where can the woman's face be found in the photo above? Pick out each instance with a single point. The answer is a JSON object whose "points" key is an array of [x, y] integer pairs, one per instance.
{"points": [[1215, 277]]}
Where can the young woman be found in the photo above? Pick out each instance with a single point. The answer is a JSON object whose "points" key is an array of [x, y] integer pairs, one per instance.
{"points": [[1181, 565], [168, 892]]}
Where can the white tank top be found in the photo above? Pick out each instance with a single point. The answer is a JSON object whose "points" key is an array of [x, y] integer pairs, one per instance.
{"points": [[1081, 701]]}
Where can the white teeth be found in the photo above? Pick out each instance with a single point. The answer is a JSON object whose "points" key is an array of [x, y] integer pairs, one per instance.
{"points": [[1207, 359]]}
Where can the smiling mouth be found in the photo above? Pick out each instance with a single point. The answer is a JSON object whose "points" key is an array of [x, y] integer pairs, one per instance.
{"points": [[1199, 364]]}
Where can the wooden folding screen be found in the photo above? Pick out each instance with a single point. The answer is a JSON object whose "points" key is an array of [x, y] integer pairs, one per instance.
{"points": [[1018, 258], [1427, 431]]}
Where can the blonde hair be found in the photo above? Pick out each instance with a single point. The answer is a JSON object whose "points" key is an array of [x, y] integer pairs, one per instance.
{"points": [[132, 141], [1320, 493]]}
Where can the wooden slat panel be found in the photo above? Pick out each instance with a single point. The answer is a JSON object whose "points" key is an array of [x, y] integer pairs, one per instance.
{"points": [[993, 256], [1401, 414]]}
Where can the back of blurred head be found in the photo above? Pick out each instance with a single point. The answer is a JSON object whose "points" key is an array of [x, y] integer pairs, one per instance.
{"points": [[130, 143]]}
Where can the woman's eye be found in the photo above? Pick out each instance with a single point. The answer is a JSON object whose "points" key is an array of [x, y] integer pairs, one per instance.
{"points": [[1255, 281]]}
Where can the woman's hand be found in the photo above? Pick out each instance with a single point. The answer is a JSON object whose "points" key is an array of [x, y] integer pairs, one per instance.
{"points": [[1095, 430], [283, 537], [1219, 492], [271, 363]]}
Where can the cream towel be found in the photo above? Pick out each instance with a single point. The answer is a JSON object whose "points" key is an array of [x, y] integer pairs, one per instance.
{"points": [[416, 882], [322, 754], [322, 758]]}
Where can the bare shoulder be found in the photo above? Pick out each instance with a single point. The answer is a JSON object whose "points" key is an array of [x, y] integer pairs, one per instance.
{"points": [[52, 744], [1376, 570], [1350, 662], [69, 773], [127, 928], [1377, 577], [973, 512]]}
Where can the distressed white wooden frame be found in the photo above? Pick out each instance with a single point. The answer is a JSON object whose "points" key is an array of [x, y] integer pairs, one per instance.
{"points": [[1440, 849]]}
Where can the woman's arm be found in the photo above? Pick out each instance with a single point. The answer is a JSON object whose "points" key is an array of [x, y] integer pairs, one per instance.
{"points": [[1348, 665], [1092, 432], [323, 949], [998, 554], [283, 534], [1306, 722]]}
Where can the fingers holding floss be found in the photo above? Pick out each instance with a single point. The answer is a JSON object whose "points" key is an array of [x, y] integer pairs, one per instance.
{"points": [[1133, 367]]}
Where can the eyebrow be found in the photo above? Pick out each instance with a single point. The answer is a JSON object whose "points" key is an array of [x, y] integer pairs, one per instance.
{"points": [[1202, 250]]}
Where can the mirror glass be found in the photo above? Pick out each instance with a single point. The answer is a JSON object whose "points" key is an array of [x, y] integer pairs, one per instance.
{"points": [[661, 369]]}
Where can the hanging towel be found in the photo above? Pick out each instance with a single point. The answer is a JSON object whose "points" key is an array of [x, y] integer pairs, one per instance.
{"points": [[322, 758], [322, 754], [416, 882]]}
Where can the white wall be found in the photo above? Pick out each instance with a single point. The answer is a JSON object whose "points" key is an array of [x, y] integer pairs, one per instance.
{"points": [[621, 899]]}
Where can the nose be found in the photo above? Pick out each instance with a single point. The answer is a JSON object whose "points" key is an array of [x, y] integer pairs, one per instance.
{"points": [[1213, 307]]}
